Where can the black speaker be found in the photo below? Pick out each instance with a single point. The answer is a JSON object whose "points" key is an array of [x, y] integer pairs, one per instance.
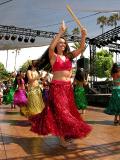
{"points": [[83, 63]]}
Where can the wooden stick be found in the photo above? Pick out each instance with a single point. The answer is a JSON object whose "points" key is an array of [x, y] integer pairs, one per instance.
{"points": [[74, 16]]}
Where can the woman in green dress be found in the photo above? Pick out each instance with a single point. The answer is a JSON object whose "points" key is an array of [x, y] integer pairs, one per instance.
{"points": [[113, 107], [8, 97], [79, 91]]}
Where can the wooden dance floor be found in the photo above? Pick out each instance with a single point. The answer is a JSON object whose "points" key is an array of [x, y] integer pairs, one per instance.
{"points": [[17, 142]]}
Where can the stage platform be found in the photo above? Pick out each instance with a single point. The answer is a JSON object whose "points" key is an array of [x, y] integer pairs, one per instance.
{"points": [[17, 142], [98, 99]]}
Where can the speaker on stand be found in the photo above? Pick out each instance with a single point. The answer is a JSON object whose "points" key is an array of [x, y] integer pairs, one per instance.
{"points": [[83, 63]]}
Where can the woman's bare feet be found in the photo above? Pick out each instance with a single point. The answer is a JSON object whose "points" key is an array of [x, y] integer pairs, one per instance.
{"points": [[83, 111], [116, 122], [63, 142]]}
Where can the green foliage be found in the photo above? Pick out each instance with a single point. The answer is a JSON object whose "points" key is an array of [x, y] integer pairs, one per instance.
{"points": [[76, 31], [112, 20], [102, 64], [24, 67], [2, 68], [76, 45], [102, 21], [3, 73]]}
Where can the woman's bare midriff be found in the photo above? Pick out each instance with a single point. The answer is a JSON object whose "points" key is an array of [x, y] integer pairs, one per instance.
{"points": [[62, 75]]}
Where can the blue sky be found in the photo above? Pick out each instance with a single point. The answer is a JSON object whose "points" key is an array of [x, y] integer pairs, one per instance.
{"points": [[47, 14]]}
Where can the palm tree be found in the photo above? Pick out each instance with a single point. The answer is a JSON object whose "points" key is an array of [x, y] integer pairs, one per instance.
{"points": [[76, 31], [102, 21], [24, 67], [112, 20], [76, 45]]}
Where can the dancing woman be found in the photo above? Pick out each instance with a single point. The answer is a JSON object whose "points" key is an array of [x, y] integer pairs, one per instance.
{"points": [[20, 95], [113, 107], [35, 101], [60, 116], [79, 91], [9, 98]]}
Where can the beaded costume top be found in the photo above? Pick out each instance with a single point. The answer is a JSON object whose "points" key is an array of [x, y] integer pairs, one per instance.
{"points": [[61, 65]]}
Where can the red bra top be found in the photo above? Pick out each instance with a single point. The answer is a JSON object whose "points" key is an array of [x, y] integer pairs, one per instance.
{"points": [[61, 65]]}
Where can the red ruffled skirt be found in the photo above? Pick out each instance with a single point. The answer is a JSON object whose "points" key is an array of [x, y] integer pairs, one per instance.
{"points": [[60, 116]]}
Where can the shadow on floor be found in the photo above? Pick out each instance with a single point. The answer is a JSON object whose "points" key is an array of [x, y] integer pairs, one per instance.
{"points": [[10, 113], [16, 122], [39, 148], [105, 122]]}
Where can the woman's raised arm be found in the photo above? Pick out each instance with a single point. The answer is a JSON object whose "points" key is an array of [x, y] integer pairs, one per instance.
{"points": [[56, 39], [82, 43]]}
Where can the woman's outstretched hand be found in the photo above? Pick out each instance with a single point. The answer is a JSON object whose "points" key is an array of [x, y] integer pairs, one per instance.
{"points": [[83, 31], [63, 27]]}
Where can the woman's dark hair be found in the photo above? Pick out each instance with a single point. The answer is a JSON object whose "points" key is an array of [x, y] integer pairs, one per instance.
{"points": [[16, 79], [26, 78], [29, 67], [34, 63], [115, 68], [80, 75], [44, 62]]}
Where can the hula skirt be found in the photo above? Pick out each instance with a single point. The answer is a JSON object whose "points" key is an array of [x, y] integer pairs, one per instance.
{"points": [[35, 101], [20, 97], [60, 116], [113, 107], [80, 97], [45, 94], [9, 96]]}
